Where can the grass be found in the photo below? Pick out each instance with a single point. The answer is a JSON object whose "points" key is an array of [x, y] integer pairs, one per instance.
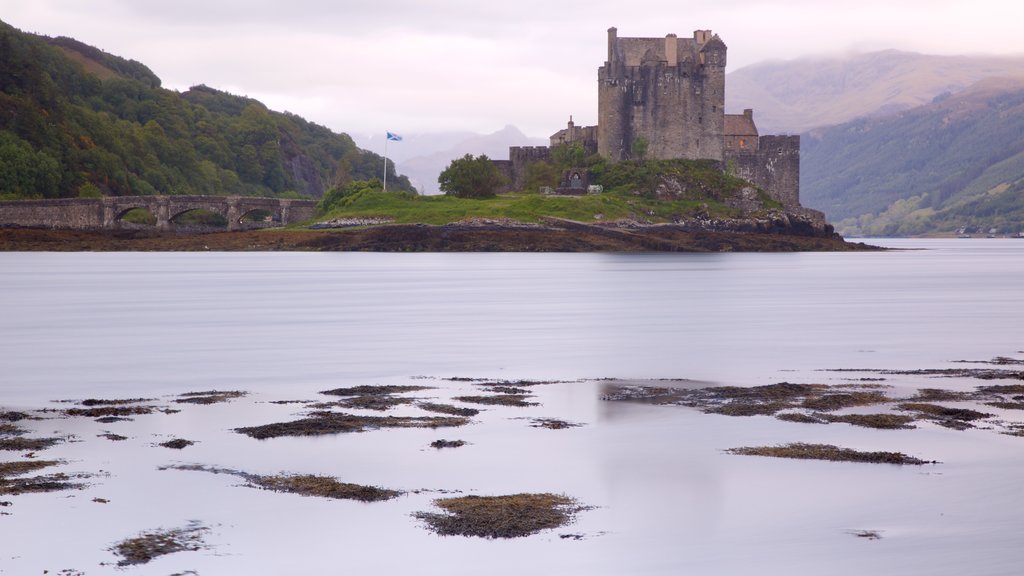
{"points": [[802, 451], [149, 545], [526, 208], [516, 400], [320, 423], [511, 516]]}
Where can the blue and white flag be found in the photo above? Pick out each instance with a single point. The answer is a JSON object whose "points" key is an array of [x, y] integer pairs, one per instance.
{"points": [[394, 137]]}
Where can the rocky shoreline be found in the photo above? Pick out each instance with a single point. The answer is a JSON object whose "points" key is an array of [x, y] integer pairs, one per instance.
{"points": [[776, 235]]}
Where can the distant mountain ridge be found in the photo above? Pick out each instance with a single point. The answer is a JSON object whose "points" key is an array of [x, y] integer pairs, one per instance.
{"points": [[897, 143], [77, 121], [422, 157], [956, 163], [798, 95]]}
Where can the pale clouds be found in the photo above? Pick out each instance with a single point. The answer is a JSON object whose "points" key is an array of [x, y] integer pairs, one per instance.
{"points": [[404, 65]]}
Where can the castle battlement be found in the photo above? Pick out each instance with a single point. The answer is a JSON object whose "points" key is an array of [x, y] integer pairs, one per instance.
{"points": [[668, 94]]}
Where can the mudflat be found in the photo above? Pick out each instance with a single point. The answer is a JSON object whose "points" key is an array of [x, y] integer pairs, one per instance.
{"points": [[421, 238]]}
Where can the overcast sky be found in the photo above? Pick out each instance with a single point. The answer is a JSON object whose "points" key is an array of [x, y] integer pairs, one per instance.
{"points": [[366, 66]]}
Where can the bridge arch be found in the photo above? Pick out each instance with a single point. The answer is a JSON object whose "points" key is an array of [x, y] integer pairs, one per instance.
{"points": [[202, 217], [108, 212], [122, 213], [259, 217]]}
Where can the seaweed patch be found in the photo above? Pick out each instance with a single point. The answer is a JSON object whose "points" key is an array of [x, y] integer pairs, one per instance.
{"points": [[149, 545], [802, 451], [439, 444], [13, 479], [320, 423], [516, 400], [209, 396], [302, 484], [448, 409], [511, 516]]}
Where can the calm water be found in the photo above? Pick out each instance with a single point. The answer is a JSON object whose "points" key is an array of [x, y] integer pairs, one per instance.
{"points": [[284, 326]]}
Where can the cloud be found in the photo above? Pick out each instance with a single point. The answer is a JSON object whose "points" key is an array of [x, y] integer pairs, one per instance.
{"points": [[362, 65]]}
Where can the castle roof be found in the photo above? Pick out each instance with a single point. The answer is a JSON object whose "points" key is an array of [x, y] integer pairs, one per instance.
{"points": [[739, 125]]}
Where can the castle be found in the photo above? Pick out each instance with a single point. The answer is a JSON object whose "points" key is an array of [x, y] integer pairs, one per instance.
{"points": [[665, 98]]}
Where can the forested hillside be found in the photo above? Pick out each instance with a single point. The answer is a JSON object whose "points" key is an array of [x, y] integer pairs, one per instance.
{"points": [[957, 163], [76, 121]]}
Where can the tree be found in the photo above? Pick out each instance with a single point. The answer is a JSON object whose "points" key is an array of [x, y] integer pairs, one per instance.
{"points": [[540, 174], [638, 151], [342, 196], [470, 177], [569, 155]]}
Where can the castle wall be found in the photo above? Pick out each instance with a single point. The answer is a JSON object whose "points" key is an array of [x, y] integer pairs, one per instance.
{"points": [[671, 92], [514, 169], [774, 166], [678, 109], [505, 167]]}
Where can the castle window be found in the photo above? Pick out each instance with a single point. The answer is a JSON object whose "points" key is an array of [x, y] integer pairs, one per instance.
{"points": [[743, 143]]}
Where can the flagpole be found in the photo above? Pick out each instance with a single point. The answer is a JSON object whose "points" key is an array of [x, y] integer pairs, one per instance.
{"points": [[386, 161]]}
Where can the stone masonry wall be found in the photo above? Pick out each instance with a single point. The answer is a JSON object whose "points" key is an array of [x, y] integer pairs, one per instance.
{"points": [[94, 213], [78, 213], [673, 97], [774, 166]]}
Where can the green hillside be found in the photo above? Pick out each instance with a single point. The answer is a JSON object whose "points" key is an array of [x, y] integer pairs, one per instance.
{"points": [[76, 121], [955, 163], [651, 191]]}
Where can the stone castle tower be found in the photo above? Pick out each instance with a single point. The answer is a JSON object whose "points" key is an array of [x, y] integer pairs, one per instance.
{"points": [[668, 92], [668, 95]]}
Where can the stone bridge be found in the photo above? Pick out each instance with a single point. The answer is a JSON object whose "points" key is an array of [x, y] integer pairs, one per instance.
{"points": [[107, 212]]}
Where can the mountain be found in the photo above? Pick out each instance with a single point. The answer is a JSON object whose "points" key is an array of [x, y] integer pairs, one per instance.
{"points": [[77, 121], [955, 163], [412, 145], [422, 157], [798, 95]]}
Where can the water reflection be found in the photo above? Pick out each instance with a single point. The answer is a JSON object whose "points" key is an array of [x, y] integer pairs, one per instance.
{"points": [[284, 326]]}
